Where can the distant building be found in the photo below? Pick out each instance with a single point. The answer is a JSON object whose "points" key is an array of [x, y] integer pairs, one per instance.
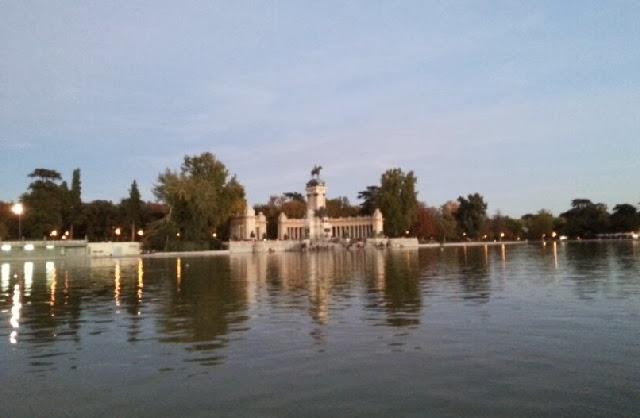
{"points": [[315, 226]]}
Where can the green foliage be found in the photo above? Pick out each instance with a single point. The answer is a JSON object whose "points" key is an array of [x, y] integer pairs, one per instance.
{"points": [[539, 225], [202, 196], [45, 203], [101, 217], [624, 218], [501, 224], [398, 201], [471, 214], [586, 219], [294, 196], [75, 201], [341, 207], [446, 223], [369, 198], [133, 209]]}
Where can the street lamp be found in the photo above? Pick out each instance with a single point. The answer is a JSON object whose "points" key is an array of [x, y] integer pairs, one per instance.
{"points": [[18, 209]]}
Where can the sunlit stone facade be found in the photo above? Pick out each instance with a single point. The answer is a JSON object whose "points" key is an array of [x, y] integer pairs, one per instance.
{"points": [[248, 226], [315, 226]]}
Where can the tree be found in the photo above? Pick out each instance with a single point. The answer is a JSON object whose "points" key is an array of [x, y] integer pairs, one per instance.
{"points": [[133, 207], [202, 196], [369, 198], [502, 224], [101, 218], [539, 225], [294, 196], [426, 227], [397, 200], [75, 201], [446, 221], [45, 202], [341, 207], [471, 214], [624, 218], [585, 218]]}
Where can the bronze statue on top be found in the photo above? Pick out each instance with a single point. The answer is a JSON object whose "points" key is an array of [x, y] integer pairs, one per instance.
{"points": [[315, 172]]}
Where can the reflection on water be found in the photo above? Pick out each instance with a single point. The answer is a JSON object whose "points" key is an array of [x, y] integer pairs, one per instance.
{"points": [[446, 320]]}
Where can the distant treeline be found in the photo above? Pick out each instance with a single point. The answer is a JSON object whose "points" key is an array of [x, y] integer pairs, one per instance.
{"points": [[195, 203]]}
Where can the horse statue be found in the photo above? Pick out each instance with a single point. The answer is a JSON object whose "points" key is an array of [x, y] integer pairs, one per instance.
{"points": [[315, 172]]}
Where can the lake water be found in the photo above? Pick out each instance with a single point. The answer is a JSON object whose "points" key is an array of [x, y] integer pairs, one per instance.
{"points": [[526, 330]]}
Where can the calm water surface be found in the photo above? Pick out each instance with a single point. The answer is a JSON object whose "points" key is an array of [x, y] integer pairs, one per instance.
{"points": [[516, 331]]}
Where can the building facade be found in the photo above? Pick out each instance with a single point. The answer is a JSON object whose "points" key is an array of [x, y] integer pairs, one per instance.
{"points": [[316, 225], [248, 226]]}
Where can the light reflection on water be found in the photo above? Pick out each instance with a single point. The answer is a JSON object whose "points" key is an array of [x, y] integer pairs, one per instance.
{"points": [[480, 330]]}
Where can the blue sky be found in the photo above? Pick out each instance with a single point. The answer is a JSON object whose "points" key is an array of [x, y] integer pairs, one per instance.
{"points": [[529, 103]]}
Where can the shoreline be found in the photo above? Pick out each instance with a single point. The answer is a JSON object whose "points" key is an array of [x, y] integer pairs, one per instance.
{"points": [[219, 253]]}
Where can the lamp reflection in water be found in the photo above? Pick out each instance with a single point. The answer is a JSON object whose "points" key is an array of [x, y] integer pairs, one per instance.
{"points": [[15, 314], [116, 292], [503, 255], [5, 271], [50, 270], [140, 281], [178, 273], [28, 277], [486, 255], [555, 255]]}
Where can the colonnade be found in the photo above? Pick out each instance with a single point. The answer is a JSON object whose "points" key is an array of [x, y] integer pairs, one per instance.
{"points": [[296, 232], [352, 231]]}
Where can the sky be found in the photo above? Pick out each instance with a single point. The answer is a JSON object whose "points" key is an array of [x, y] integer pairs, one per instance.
{"points": [[530, 104]]}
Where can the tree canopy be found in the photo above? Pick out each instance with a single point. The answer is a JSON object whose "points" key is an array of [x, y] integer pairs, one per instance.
{"points": [[471, 214], [202, 196], [397, 198]]}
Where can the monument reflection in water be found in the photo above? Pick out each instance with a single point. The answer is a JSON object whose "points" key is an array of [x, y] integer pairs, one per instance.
{"points": [[527, 329]]}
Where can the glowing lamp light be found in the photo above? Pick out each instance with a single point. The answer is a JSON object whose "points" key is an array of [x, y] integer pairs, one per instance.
{"points": [[29, 247], [553, 234], [53, 233], [64, 237], [118, 231], [140, 232], [214, 234], [178, 234], [501, 234], [17, 209], [5, 247], [635, 235], [66, 233]]}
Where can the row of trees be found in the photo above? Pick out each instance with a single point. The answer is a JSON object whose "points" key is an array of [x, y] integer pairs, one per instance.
{"points": [[196, 202], [54, 210], [466, 218]]}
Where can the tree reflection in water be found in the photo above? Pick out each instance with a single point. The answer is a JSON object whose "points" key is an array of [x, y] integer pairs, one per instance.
{"points": [[201, 305]]}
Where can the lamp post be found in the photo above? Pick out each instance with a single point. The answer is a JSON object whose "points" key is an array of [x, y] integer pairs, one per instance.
{"points": [[18, 209]]}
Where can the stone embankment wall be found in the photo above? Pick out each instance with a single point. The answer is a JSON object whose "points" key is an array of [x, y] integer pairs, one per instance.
{"points": [[264, 246], [113, 249], [293, 245]]}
